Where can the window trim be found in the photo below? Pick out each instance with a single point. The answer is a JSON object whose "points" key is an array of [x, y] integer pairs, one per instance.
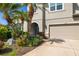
{"points": [[56, 8]]}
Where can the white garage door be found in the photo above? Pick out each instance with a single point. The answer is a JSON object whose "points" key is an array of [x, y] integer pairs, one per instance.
{"points": [[64, 31]]}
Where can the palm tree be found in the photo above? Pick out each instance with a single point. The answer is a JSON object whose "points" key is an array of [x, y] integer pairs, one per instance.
{"points": [[7, 8], [30, 14], [26, 16], [20, 16]]}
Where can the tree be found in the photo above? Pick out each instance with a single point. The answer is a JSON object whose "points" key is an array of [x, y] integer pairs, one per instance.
{"points": [[7, 9], [20, 16], [30, 14]]}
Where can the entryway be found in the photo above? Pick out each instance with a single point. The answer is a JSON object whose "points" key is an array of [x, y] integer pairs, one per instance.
{"points": [[34, 29]]}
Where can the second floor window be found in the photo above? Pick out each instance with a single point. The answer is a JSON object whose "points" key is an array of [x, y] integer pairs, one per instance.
{"points": [[56, 6]]}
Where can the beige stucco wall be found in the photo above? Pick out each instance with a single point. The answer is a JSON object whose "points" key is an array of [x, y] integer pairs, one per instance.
{"points": [[25, 26], [58, 17], [51, 17], [67, 12], [63, 16]]}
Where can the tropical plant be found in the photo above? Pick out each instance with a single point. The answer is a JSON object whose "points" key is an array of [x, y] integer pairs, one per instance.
{"points": [[30, 14], [7, 9], [25, 35], [3, 33], [21, 41], [20, 16], [25, 16], [34, 41]]}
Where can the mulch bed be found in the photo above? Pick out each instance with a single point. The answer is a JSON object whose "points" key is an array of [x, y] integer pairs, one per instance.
{"points": [[19, 50], [24, 50], [5, 50]]}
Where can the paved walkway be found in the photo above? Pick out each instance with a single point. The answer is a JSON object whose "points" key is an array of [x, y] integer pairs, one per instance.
{"points": [[56, 48]]}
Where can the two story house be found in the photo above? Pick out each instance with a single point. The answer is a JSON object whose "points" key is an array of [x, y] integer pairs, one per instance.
{"points": [[61, 21]]}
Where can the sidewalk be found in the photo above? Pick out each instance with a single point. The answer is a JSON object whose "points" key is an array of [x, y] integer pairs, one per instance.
{"points": [[66, 48]]}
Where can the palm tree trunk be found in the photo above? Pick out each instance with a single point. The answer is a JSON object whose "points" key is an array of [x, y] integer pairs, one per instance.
{"points": [[9, 20], [29, 26], [31, 12], [43, 20], [22, 28]]}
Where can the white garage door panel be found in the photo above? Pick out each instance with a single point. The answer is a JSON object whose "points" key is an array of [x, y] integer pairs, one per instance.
{"points": [[64, 32]]}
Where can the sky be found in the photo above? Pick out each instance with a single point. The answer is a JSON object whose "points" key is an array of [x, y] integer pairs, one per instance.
{"points": [[3, 21]]}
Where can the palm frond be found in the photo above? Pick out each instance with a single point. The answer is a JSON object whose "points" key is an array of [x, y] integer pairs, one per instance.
{"points": [[21, 14]]}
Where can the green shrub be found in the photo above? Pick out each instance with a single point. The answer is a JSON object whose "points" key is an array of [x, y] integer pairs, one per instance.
{"points": [[34, 41], [8, 35], [25, 34], [21, 41], [16, 30], [4, 33]]}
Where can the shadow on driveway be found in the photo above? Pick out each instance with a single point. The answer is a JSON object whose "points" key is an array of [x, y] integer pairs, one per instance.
{"points": [[57, 40]]}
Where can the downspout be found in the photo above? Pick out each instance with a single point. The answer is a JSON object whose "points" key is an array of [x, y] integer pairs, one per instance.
{"points": [[43, 20]]}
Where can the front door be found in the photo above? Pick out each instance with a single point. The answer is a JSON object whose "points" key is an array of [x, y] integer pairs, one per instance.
{"points": [[34, 29]]}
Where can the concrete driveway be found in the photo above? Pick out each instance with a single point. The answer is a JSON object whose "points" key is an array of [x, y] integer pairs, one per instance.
{"points": [[56, 47]]}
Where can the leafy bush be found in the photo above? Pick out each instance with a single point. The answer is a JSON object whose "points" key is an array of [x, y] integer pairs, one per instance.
{"points": [[4, 33], [21, 41], [25, 34], [8, 35], [34, 41]]}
